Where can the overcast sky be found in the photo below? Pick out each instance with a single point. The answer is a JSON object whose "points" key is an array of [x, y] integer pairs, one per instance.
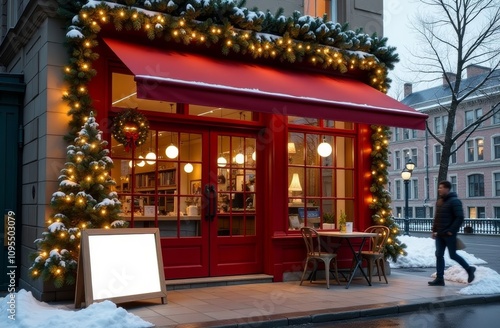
{"points": [[397, 15]]}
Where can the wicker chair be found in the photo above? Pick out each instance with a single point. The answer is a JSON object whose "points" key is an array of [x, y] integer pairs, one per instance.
{"points": [[315, 254], [375, 254]]}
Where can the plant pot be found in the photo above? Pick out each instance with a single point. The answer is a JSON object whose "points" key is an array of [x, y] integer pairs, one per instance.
{"points": [[328, 226]]}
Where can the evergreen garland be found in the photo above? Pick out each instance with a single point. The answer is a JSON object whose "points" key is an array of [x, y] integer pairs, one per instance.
{"points": [[222, 24], [381, 202]]}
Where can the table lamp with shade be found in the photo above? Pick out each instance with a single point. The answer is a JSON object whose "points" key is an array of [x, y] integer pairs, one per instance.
{"points": [[295, 186]]}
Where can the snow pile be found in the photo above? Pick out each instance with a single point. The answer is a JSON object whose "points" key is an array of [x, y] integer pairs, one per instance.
{"points": [[421, 255], [31, 313]]}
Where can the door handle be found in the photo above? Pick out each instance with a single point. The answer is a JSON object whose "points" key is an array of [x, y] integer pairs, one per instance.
{"points": [[210, 196], [206, 196]]}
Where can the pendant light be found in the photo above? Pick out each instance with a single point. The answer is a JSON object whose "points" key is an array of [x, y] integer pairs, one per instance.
{"points": [[324, 148], [221, 161], [141, 163], [134, 162], [188, 168], [239, 158], [172, 151], [151, 156]]}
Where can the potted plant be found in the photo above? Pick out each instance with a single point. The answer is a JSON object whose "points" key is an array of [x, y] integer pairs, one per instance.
{"points": [[328, 220], [342, 221]]}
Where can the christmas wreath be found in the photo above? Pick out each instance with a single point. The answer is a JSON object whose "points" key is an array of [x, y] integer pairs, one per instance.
{"points": [[130, 128]]}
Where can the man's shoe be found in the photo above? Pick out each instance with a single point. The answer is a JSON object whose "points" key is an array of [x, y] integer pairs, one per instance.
{"points": [[471, 274], [436, 282]]}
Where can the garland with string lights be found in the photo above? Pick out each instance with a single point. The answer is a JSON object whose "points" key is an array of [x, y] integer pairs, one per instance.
{"points": [[225, 26], [130, 128], [381, 201]]}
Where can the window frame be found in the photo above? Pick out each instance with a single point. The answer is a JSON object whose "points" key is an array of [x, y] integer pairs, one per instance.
{"points": [[322, 197], [475, 188], [474, 148], [495, 147]]}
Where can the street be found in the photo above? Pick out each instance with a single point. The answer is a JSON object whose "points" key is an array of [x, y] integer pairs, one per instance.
{"points": [[483, 316]]}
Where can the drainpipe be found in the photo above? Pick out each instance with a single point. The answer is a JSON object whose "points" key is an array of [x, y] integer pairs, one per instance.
{"points": [[426, 147]]}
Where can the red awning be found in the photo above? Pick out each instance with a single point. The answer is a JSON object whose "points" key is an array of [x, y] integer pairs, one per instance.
{"points": [[195, 79]]}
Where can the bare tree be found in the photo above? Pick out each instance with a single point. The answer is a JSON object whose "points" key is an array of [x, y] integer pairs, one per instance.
{"points": [[456, 34]]}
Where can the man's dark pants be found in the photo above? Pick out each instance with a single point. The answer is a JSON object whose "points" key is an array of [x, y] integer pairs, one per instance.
{"points": [[450, 242]]}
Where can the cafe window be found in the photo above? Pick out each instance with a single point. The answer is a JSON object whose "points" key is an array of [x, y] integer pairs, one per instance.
{"points": [[320, 186]]}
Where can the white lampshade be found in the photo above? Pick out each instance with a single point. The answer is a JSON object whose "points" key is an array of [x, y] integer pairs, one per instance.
{"points": [[172, 151], [295, 184], [291, 148], [410, 166], [188, 168], [150, 158], [239, 159], [324, 149], [221, 161], [254, 156], [406, 174], [141, 163]]}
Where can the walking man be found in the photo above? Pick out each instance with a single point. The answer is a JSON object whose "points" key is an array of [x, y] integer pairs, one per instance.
{"points": [[448, 218]]}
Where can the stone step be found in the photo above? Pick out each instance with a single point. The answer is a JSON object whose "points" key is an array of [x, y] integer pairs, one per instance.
{"points": [[218, 281]]}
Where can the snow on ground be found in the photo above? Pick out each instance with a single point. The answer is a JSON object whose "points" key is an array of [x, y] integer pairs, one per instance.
{"points": [[421, 255], [29, 313]]}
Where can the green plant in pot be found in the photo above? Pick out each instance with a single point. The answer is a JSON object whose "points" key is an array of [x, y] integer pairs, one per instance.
{"points": [[328, 220], [342, 221]]}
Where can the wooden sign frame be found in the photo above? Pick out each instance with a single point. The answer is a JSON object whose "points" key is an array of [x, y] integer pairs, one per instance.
{"points": [[120, 265]]}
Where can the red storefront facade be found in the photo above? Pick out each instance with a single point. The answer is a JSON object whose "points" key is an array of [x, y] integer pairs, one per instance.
{"points": [[238, 217]]}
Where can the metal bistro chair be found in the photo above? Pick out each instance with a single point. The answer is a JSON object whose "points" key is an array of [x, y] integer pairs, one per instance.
{"points": [[375, 254], [314, 254]]}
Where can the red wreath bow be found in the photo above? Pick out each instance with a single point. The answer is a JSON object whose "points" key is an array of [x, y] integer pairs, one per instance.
{"points": [[131, 139]]}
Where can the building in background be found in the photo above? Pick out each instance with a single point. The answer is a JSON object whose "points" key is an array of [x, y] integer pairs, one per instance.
{"points": [[474, 170]]}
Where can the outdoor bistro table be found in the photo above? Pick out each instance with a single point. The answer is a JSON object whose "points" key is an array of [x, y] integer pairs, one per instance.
{"points": [[356, 254]]}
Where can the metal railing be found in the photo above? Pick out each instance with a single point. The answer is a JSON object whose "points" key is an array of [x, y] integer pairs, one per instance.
{"points": [[475, 226]]}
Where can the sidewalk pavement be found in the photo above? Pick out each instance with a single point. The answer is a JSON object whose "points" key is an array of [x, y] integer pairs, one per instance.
{"points": [[287, 303]]}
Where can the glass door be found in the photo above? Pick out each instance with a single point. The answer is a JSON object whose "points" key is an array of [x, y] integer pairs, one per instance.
{"points": [[235, 246], [198, 187]]}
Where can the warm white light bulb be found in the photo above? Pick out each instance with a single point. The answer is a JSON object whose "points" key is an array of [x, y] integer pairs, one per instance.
{"points": [[188, 168], [172, 151], [221, 161], [150, 158], [141, 163], [324, 149], [239, 159]]}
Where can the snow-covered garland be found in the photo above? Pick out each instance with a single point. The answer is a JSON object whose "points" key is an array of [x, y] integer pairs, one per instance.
{"points": [[222, 25]]}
